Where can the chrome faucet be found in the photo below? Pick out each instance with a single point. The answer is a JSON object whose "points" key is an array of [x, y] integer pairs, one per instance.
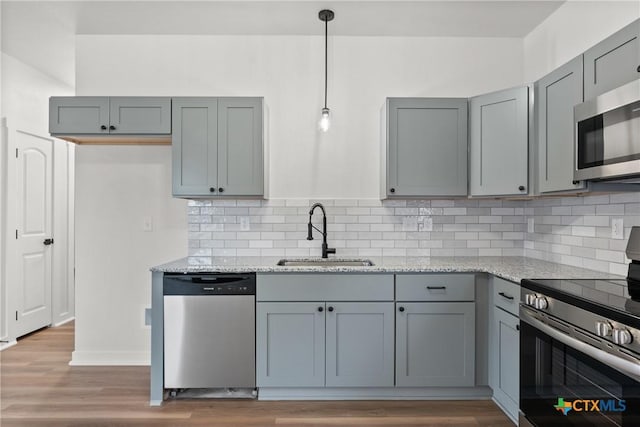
{"points": [[326, 250]]}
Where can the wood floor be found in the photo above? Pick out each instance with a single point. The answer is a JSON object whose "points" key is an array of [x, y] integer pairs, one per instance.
{"points": [[39, 388]]}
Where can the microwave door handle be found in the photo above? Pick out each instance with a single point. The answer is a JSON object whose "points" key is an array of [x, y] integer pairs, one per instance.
{"points": [[626, 367]]}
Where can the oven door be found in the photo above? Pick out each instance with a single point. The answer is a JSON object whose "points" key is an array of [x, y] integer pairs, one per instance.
{"points": [[554, 375]]}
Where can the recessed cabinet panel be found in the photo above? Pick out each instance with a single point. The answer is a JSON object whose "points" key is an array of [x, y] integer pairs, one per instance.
{"points": [[435, 344], [360, 344], [426, 147], [499, 143], [138, 115], [194, 146], [240, 165], [612, 62], [504, 359], [556, 95], [290, 343], [79, 115]]}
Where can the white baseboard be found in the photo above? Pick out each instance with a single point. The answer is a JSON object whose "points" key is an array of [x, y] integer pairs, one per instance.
{"points": [[110, 358], [62, 322], [6, 345]]}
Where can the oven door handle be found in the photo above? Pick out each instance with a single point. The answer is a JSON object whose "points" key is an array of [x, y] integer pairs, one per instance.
{"points": [[625, 366]]}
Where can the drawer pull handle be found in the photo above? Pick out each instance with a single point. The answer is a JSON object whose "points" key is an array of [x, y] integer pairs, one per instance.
{"points": [[436, 288], [503, 295]]}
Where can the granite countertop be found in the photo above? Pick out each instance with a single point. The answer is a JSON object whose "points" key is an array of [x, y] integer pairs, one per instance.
{"points": [[509, 268]]}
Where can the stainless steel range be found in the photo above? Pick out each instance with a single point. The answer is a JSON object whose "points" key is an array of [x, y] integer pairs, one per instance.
{"points": [[580, 349]]}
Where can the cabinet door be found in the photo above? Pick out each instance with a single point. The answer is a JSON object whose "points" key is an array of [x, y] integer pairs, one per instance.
{"points": [[240, 157], [359, 344], [194, 146], [290, 344], [612, 62], [504, 357], [427, 147], [556, 95], [499, 143], [78, 115], [435, 344], [139, 115]]}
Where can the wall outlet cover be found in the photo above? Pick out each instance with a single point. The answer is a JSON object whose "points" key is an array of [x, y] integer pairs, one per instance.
{"points": [[244, 223], [530, 225], [617, 228], [425, 224]]}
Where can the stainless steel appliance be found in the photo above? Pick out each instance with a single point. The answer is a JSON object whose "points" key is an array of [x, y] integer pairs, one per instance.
{"points": [[607, 135], [580, 351], [209, 331]]}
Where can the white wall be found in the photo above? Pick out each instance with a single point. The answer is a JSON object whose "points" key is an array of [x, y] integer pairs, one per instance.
{"points": [[116, 188], [572, 29]]}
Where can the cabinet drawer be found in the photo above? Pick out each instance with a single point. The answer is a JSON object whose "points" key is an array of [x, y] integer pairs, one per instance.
{"points": [[324, 287], [506, 295], [435, 287]]}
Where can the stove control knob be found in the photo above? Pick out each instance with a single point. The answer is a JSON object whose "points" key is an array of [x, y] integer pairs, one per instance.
{"points": [[603, 329], [622, 336], [541, 303], [530, 299]]}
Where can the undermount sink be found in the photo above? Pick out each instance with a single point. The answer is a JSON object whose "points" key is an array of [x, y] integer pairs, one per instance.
{"points": [[324, 262]]}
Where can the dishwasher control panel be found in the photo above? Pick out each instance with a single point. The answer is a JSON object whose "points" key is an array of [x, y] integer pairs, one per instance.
{"points": [[210, 284]]}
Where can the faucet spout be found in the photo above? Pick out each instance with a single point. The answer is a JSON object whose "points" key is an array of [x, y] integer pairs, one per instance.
{"points": [[326, 250]]}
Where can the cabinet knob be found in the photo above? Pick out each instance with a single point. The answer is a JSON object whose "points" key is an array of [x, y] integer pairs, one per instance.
{"points": [[330, 308], [112, 127], [401, 309], [575, 182], [220, 190], [103, 127], [521, 188], [212, 189], [320, 309], [639, 68], [392, 190]]}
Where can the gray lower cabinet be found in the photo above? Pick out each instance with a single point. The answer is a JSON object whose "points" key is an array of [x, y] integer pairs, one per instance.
{"points": [[504, 359], [556, 95], [504, 345], [217, 147], [318, 344], [435, 344], [290, 344], [499, 138], [426, 147], [360, 344], [83, 115], [612, 62]]}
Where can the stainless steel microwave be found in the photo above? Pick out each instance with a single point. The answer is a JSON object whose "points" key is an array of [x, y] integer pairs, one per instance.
{"points": [[607, 135]]}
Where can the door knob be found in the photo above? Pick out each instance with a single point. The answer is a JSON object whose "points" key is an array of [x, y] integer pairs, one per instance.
{"points": [[212, 189], [392, 190], [320, 309], [48, 242], [103, 127], [112, 127], [401, 309], [330, 309], [220, 190], [521, 188]]}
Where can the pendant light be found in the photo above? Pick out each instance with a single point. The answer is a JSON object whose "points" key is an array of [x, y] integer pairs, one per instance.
{"points": [[325, 15]]}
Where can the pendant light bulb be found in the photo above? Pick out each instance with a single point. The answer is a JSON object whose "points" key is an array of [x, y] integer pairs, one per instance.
{"points": [[325, 121]]}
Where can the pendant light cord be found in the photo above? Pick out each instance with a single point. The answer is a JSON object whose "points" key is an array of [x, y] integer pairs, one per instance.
{"points": [[326, 23]]}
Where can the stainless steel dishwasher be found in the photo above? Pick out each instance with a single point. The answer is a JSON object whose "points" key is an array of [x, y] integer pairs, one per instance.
{"points": [[209, 331]]}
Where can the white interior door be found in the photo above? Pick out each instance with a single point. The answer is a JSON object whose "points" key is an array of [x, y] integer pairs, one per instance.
{"points": [[34, 213]]}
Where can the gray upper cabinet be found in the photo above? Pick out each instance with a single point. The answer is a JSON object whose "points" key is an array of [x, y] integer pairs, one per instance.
{"points": [[240, 165], [556, 95], [360, 344], [499, 143], [612, 62], [435, 344], [217, 147], [290, 342], [426, 147], [137, 115], [80, 115]]}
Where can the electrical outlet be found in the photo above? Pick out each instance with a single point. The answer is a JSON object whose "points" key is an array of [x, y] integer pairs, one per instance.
{"points": [[244, 223], [530, 225], [617, 228], [426, 224], [147, 223]]}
